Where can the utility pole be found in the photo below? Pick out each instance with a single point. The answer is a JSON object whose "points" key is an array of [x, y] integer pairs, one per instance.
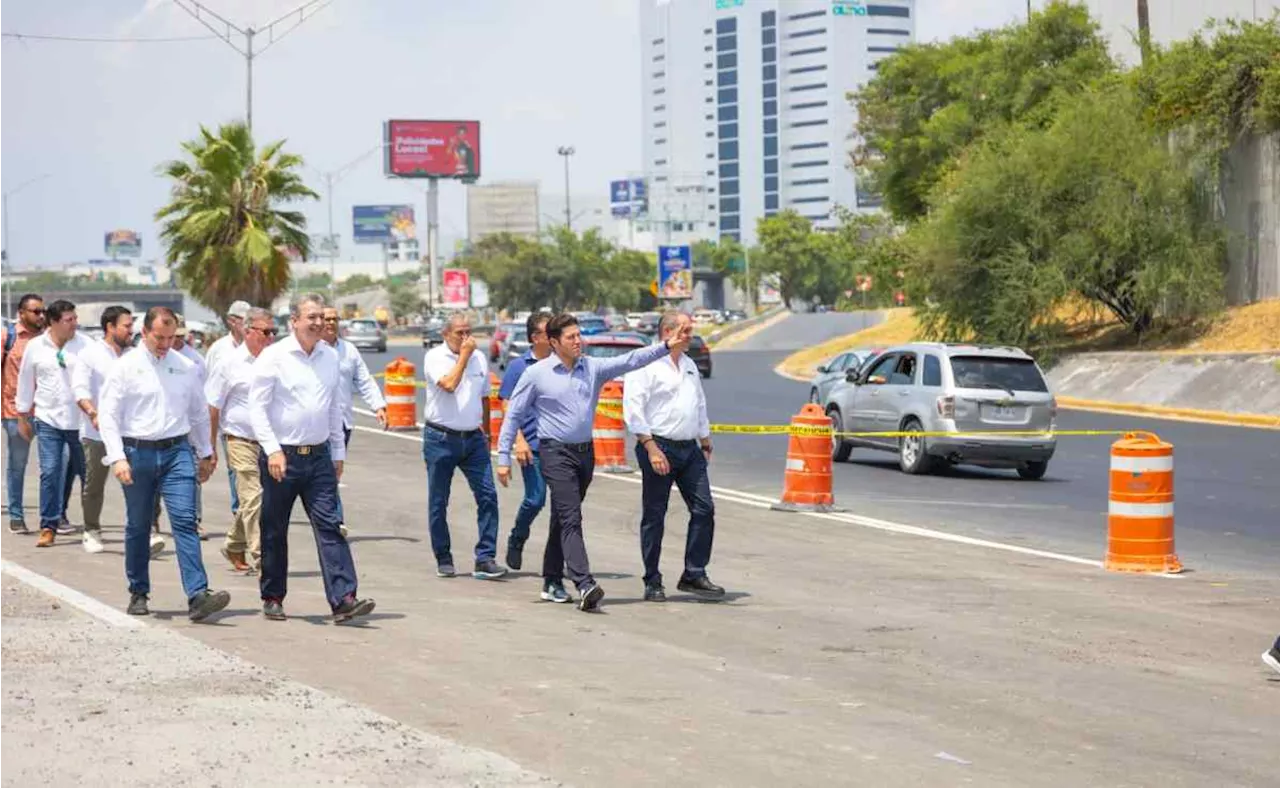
{"points": [[8, 259], [566, 152], [330, 178], [224, 29], [1144, 30]]}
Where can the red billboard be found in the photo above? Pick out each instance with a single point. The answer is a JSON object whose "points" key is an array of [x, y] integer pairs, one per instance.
{"points": [[432, 149], [457, 288]]}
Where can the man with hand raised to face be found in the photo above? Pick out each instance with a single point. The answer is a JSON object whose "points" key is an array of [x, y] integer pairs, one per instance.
{"points": [[563, 390], [155, 426]]}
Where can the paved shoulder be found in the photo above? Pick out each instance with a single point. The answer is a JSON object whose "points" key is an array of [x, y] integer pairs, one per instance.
{"points": [[86, 702]]}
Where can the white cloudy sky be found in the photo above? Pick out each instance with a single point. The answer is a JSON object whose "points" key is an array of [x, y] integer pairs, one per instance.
{"points": [[96, 119]]}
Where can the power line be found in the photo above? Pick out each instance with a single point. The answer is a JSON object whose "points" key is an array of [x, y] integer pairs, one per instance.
{"points": [[103, 39]]}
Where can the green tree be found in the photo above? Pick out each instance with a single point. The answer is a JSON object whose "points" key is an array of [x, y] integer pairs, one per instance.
{"points": [[317, 282], [1093, 205], [405, 300], [355, 283], [928, 102], [787, 252], [225, 228]]}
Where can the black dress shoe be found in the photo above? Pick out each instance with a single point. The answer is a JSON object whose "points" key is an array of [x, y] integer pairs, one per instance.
{"points": [[655, 593], [515, 557], [701, 586]]}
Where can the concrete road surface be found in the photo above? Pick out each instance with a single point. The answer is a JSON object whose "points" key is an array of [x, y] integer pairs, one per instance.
{"points": [[843, 654]]}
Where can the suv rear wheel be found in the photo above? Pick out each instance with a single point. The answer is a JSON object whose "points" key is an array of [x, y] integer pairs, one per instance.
{"points": [[1033, 471], [840, 448], [913, 456]]}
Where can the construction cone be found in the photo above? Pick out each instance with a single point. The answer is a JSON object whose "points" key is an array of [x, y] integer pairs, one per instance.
{"points": [[609, 433], [806, 485], [1140, 506], [497, 410]]}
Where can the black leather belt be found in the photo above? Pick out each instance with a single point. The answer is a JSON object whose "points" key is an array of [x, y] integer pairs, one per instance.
{"points": [[305, 450], [547, 443], [451, 430], [673, 441], [163, 443]]}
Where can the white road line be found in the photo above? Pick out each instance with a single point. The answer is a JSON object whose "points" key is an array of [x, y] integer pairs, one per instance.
{"points": [[762, 502], [72, 597]]}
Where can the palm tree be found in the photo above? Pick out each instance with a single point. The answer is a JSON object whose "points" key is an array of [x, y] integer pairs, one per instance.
{"points": [[228, 238]]}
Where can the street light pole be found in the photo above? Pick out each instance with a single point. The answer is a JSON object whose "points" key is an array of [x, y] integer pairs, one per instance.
{"points": [[330, 178], [8, 259], [223, 28], [566, 151]]}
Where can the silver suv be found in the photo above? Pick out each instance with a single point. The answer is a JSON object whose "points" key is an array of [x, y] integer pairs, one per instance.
{"points": [[942, 388]]}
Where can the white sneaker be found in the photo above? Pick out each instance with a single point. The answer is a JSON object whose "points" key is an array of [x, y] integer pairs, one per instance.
{"points": [[157, 545], [91, 542], [342, 529]]}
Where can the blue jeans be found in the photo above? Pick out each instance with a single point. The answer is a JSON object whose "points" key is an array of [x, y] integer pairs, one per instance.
{"points": [[443, 453], [535, 498], [61, 460], [311, 477], [231, 477], [168, 474], [689, 473], [17, 452]]}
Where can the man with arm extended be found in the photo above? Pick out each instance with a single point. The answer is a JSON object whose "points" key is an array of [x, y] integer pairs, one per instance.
{"points": [[526, 447], [563, 390], [455, 434], [45, 396], [227, 393], [155, 426], [353, 375], [297, 421], [665, 408], [17, 448]]}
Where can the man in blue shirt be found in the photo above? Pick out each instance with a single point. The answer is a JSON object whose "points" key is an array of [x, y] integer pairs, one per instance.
{"points": [[562, 390], [526, 446]]}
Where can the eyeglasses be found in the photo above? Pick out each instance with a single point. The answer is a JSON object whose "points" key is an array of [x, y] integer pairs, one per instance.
{"points": [[36, 311], [266, 331]]}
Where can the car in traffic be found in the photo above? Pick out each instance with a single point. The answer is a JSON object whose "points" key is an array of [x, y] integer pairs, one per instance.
{"points": [[608, 345], [365, 334], [734, 315], [707, 317], [975, 404], [432, 336], [700, 352], [497, 342], [647, 323], [590, 326], [517, 345], [833, 372]]}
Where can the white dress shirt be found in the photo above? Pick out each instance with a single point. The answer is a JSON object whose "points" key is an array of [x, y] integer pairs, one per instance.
{"points": [[461, 409], [353, 375], [223, 346], [227, 389], [152, 399], [45, 383], [92, 366], [666, 399], [194, 357], [293, 399]]}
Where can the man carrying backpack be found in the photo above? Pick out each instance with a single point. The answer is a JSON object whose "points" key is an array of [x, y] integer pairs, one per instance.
{"points": [[29, 324]]}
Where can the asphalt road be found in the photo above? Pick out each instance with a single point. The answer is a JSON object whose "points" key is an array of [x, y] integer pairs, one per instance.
{"points": [[1227, 510]]}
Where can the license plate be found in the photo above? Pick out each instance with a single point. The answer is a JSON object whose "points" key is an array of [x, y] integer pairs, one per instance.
{"points": [[1004, 412]]}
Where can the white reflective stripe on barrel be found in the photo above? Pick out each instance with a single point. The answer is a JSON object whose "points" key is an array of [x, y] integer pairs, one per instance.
{"points": [[1142, 464], [1122, 509], [394, 400], [605, 434]]}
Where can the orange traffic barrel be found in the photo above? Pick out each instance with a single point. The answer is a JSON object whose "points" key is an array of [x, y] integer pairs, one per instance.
{"points": [[496, 411], [609, 433], [402, 399], [1140, 506], [806, 485]]}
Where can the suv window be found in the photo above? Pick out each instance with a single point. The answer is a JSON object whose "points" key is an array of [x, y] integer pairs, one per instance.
{"points": [[932, 371], [905, 373], [991, 372], [362, 325], [882, 367]]}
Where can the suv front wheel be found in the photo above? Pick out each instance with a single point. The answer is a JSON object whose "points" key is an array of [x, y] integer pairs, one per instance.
{"points": [[913, 455]]}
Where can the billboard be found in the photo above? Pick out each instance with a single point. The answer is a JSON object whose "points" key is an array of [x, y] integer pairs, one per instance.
{"points": [[382, 224], [456, 288], [628, 198], [122, 243], [675, 272], [431, 149]]}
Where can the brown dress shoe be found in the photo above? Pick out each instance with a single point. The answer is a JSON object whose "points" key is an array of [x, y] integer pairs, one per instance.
{"points": [[46, 538], [236, 560]]}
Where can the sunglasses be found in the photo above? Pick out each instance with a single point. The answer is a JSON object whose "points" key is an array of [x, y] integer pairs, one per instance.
{"points": [[62, 360], [267, 331], [35, 311]]}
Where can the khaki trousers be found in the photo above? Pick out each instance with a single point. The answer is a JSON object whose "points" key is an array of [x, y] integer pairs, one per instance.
{"points": [[245, 535], [95, 480]]}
